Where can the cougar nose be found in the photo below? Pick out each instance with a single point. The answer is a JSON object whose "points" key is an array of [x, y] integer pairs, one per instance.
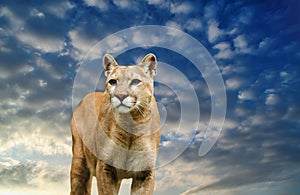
{"points": [[121, 96]]}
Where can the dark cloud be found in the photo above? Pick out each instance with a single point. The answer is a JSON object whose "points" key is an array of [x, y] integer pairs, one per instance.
{"points": [[30, 174]]}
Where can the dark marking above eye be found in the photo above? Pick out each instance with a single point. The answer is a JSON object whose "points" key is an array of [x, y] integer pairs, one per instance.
{"points": [[112, 82], [135, 82]]}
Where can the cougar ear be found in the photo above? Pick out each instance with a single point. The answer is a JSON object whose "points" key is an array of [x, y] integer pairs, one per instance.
{"points": [[149, 64], [108, 63]]}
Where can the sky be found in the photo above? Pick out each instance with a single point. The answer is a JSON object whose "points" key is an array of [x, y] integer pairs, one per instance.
{"points": [[243, 58]]}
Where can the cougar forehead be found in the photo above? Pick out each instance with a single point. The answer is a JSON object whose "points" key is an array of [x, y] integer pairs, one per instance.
{"points": [[128, 72]]}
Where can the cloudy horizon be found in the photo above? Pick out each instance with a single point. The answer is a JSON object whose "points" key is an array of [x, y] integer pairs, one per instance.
{"points": [[255, 45]]}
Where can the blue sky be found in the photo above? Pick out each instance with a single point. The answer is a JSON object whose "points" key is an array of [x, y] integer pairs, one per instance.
{"points": [[255, 45]]}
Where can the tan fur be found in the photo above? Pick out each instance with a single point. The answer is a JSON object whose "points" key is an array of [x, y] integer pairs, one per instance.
{"points": [[113, 142]]}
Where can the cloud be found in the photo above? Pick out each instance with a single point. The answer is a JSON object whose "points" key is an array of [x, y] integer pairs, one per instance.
{"points": [[241, 45], [213, 31], [182, 8], [261, 128], [174, 24], [13, 21], [156, 2], [32, 176], [59, 8], [234, 83], [46, 45], [246, 95], [37, 142], [193, 24], [225, 51], [232, 69], [39, 29], [83, 45], [35, 106], [272, 99], [210, 11], [230, 173], [101, 4], [123, 4], [181, 174]]}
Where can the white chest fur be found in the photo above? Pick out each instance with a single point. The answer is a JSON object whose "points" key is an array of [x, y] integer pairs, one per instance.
{"points": [[132, 158]]}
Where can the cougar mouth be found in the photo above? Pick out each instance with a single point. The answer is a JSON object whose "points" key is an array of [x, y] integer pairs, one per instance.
{"points": [[124, 105], [123, 108]]}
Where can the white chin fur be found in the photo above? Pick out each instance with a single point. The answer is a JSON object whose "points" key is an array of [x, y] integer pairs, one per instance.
{"points": [[123, 109]]}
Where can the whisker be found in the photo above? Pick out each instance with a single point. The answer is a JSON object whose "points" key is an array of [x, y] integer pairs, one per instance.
{"points": [[141, 108], [141, 112]]}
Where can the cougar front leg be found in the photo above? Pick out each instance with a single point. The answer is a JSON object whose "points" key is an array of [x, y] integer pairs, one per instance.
{"points": [[80, 176], [143, 183], [81, 180], [107, 181]]}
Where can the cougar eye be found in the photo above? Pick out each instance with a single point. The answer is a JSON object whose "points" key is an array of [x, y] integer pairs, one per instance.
{"points": [[135, 82], [112, 82]]}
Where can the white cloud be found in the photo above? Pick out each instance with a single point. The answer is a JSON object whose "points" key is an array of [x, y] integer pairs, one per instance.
{"points": [[174, 24], [222, 46], [201, 189], [4, 74], [210, 11], [60, 8], [241, 44], [162, 4], [33, 178], [47, 67], [20, 29], [287, 77], [97, 3], [3, 48], [213, 31], [193, 24], [233, 83], [145, 38], [232, 31], [8, 162], [26, 69], [123, 3], [232, 69], [246, 15], [183, 8], [225, 51], [117, 44], [83, 45], [42, 83], [37, 13], [266, 43], [257, 119], [181, 174], [18, 22], [246, 95], [155, 2], [25, 116], [272, 99], [36, 140], [42, 43], [241, 112]]}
